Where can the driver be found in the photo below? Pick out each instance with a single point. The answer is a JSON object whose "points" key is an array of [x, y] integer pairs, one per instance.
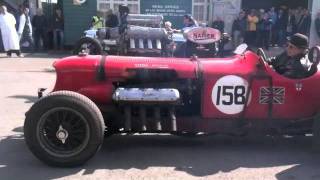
{"points": [[294, 62]]}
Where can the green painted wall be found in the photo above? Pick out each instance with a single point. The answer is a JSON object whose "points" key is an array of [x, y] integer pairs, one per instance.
{"points": [[77, 19]]}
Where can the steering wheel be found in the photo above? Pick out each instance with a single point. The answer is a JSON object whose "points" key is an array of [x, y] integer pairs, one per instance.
{"points": [[262, 55]]}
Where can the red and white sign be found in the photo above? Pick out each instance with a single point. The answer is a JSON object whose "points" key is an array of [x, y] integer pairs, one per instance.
{"points": [[203, 35]]}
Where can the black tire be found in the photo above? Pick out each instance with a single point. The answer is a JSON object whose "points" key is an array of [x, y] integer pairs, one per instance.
{"points": [[92, 46], [316, 134], [73, 114]]}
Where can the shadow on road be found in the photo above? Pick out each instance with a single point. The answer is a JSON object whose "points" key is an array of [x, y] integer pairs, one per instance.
{"points": [[198, 157], [51, 54], [44, 70], [28, 99]]}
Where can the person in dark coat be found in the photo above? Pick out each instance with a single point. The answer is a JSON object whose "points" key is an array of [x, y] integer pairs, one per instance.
{"points": [[58, 29], [303, 26], [239, 27], [264, 27], [218, 24], [291, 26], [317, 24], [189, 21], [112, 20], [294, 62], [39, 23], [281, 27]]}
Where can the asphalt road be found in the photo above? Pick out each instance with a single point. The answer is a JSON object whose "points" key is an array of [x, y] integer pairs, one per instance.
{"points": [[142, 156]]}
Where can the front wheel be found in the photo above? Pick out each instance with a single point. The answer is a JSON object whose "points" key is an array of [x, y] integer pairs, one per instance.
{"points": [[64, 129]]}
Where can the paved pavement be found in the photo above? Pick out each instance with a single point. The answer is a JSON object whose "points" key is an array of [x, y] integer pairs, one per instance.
{"points": [[141, 156]]}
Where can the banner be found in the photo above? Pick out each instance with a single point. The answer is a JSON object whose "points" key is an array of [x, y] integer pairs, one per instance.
{"points": [[172, 10]]}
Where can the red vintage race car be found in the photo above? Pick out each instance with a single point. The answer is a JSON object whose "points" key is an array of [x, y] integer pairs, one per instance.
{"points": [[98, 95]]}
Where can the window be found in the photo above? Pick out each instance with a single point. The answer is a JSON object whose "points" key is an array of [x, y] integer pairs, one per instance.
{"points": [[200, 10], [104, 5]]}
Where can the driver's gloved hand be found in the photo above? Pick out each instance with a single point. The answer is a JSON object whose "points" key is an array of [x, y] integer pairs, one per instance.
{"points": [[271, 60]]}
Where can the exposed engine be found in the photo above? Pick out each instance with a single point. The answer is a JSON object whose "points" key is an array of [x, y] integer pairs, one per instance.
{"points": [[145, 39], [151, 99], [149, 103]]}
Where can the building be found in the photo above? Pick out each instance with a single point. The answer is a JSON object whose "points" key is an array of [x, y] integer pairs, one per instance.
{"points": [[204, 11]]}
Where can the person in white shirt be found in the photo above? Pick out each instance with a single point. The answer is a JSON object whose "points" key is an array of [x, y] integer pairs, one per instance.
{"points": [[9, 34]]}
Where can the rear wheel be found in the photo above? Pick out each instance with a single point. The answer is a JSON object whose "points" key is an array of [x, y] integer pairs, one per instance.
{"points": [[88, 45], [64, 129]]}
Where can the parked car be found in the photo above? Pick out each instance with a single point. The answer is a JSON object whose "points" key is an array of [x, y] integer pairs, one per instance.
{"points": [[143, 35], [96, 95]]}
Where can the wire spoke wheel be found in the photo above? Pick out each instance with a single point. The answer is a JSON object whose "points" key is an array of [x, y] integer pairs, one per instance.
{"points": [[63, 132], [64, 129]]}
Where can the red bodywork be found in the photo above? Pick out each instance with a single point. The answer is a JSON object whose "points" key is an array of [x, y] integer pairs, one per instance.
{"points": [[223, 88]]}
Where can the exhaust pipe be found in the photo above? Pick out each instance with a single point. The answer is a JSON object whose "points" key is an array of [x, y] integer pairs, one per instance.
{"points": [[143, 117], [173, 119], [158, 118]]}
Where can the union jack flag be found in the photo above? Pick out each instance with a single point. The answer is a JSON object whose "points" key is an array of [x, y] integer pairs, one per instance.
{"points": [[277, 97]]}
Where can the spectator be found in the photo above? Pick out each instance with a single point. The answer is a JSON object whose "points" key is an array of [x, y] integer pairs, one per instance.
{"points": [[25, 29], [58, 29], [291, 26], [39, 23], [169, 29], [317, 23], [9, 34], [218, 24], [298, 14], [112, 19], [97, 21], [239, 27], [280, 27], [188, 47], [303, 26], [264, 27], [274, 17], [188, 21], [260, 14], [252, 27], [123, 14]]}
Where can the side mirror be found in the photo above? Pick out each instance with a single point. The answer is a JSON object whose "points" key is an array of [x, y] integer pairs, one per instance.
{"points": [[314, 55]]}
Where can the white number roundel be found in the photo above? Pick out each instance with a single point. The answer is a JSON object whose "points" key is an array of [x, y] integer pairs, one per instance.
{"points": [[229, 94]]}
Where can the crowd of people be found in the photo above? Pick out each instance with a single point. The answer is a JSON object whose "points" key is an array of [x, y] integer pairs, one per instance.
{"points": [[270, 27], [24, 32]]}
